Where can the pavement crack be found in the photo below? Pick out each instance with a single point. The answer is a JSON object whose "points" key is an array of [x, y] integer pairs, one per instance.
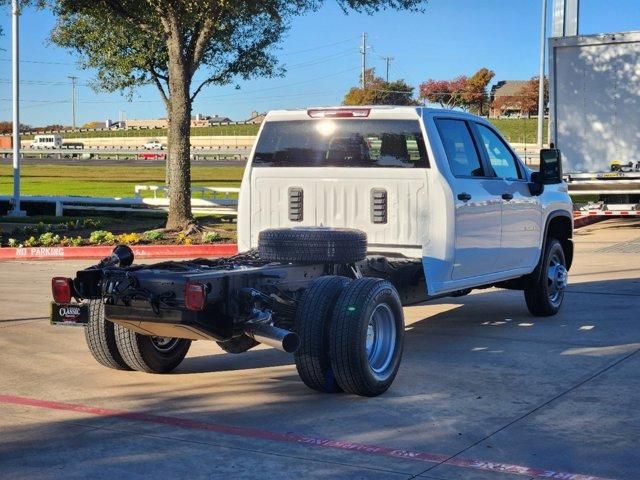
{"points": [[531, 412], [28, 319]]}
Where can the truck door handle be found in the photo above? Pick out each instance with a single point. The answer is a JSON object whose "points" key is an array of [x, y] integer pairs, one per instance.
{"points": [[465, 197], [507, 196]]}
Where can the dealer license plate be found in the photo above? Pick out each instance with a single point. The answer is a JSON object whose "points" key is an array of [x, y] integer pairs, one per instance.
{"points": [[72, 314]]}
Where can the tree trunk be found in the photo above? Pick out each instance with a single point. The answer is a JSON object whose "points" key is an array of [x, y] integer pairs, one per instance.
{"points": [[179, 141]]}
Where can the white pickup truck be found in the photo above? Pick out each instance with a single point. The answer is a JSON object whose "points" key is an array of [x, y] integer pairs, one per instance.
{"points": [[436, 185], [345, 215]]}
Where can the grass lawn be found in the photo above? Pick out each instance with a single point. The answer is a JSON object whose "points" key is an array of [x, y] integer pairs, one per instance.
{"points": [[520, 130], [106, 181]]}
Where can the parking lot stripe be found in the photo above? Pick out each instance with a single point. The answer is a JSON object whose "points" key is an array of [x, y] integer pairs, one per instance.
{"points": [[248, 432]]}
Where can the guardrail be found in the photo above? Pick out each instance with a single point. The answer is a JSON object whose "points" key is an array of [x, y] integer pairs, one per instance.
{"points": [[212, 205], [216, 152]]}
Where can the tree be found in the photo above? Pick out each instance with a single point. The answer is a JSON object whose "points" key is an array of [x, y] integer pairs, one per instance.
{"points": [[475, 95], [461, 92], [529, 94], [447, 93], [7, 127], [168, 43], [379, 92]]}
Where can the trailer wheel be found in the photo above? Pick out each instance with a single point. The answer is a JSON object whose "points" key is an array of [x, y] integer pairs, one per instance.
{"points": [[367, 336], [101, 338], [238, 344], [150, 354], [312, 245], [544, 297], [312, 321]]}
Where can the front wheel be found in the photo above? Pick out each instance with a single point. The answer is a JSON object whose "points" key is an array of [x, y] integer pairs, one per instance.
{"points": [[367, 336], [545, 295], [148, 353]]}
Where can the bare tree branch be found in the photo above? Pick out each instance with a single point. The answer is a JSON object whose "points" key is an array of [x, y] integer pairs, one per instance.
{"points": [[157, 80], [208, 81]]}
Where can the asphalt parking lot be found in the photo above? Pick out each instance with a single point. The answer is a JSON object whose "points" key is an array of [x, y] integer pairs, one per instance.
{"points": [[484, 389]]}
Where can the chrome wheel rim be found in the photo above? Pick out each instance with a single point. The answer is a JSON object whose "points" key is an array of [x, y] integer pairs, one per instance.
{"points": [[381, 339], [557, 278], [164, 344]]}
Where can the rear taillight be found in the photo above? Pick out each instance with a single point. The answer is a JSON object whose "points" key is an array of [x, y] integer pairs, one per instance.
{"points": [[195, 296], [62, 289], [338, 112]]}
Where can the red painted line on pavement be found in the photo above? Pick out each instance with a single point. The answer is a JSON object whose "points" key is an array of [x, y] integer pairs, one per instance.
{"points": [[249, 432], [98, 252]]}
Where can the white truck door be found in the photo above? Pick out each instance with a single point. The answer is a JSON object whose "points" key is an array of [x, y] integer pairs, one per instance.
{"points": [[521, 211], [477, 205]]}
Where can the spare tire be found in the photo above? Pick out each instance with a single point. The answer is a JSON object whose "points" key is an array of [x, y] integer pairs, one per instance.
{"points": [[312, 245]]}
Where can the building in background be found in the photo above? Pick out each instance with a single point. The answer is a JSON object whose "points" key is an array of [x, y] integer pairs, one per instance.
{"points": [[200, 120], [147, 123], [256, 117], [506, 90]]}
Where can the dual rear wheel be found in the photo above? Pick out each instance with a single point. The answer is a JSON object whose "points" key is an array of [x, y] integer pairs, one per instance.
{"points": [[116, 347], [351, 334]]}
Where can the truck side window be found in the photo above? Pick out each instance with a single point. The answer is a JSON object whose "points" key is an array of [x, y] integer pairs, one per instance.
{"points": [[499, 155], [459, 147]]}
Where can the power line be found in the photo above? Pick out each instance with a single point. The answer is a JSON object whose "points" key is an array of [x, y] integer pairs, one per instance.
{"points": [[38, 62], [320, 46]]}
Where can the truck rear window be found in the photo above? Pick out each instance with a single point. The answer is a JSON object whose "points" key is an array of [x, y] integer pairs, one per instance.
{"points": [[341, 143]]}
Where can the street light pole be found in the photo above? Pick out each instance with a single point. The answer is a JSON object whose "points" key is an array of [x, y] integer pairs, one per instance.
{"points": [[73, 100], [543, 40], [15, 210]]}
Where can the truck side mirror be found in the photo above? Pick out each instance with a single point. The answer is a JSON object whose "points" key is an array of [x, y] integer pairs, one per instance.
{"points": [[550, 166]]}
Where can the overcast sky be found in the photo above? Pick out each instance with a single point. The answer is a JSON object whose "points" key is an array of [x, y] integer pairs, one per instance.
{"points": [[321, 54]]}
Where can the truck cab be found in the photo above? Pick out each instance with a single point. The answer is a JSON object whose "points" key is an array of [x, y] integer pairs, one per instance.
{"points": [[440, 186]]}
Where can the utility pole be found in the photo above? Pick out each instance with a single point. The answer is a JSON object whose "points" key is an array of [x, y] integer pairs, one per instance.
{"points": [[15, 48], [73, 100], [363, 51], [543, 40], [388, 60]]}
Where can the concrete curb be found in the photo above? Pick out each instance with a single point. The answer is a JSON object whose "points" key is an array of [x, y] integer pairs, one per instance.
{"points": [[98, 252]]}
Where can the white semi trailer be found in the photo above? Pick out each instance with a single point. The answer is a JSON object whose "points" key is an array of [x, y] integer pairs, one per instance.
{"points": [[595, 119]]}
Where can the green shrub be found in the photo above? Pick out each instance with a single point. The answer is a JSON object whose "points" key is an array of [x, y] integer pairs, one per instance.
{"points": [[102, 237], [154, 235], [12, 242], [30, 242], [49, 239], [210, 237], [71, 241]]}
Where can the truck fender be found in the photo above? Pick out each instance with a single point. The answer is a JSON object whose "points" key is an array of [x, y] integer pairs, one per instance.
{"points": [[567, 243]]}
